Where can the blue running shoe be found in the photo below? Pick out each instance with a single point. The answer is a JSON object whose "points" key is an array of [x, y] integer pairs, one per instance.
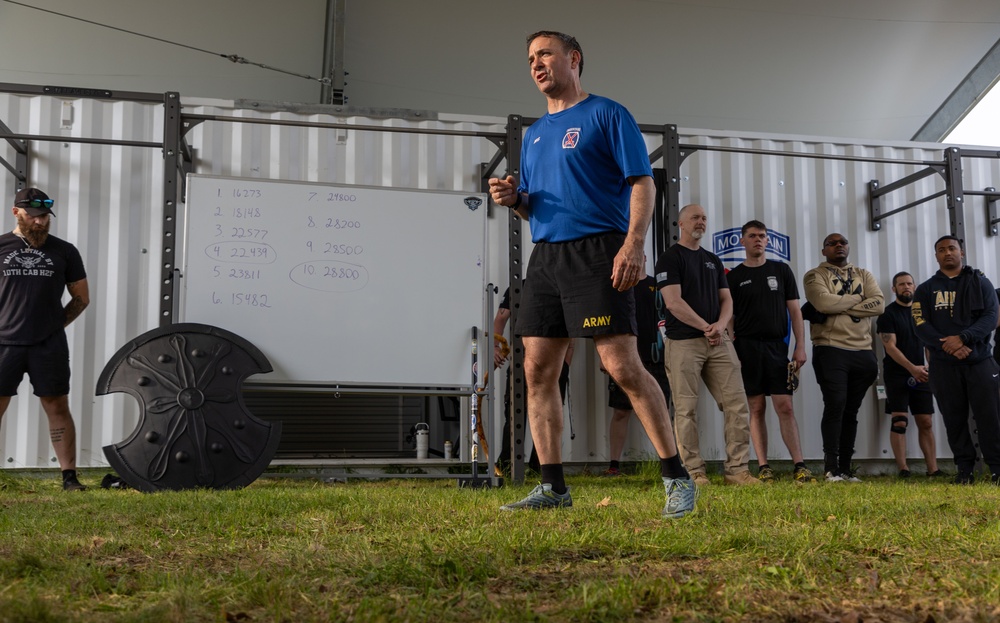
{"points": [[541, 497], [681, 493]]}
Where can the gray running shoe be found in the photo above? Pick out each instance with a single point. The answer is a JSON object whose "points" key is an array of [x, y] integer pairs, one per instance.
{"points": [[681, 494], [850, 476], [541, 497]]}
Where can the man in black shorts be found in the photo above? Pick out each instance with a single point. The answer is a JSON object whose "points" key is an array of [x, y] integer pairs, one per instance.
{"points": [[587, 189], [765, 299], [648, 313], [907, 387], [35, 269]]}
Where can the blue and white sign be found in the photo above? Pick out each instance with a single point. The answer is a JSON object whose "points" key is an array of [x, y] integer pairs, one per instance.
{"points": [[726, 244]]}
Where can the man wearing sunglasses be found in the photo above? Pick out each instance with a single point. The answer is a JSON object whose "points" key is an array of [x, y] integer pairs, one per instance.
{"points": [[843, 358], [35, 270]]}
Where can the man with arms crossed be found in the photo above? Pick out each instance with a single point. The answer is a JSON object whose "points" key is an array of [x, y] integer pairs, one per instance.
{"points": [[843, 359], [37, 269], [905, 377], [699, 307], [955, 311], [765, 296], [587, 189]]}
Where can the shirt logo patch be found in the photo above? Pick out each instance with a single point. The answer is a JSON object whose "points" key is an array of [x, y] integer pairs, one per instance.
{"points": [[537, 138], [571, 139], [772, 282], [710, 265]]}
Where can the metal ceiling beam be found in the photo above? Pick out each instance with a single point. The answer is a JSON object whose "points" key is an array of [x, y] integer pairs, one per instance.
{"points": [[332, 91], [963, 99]]}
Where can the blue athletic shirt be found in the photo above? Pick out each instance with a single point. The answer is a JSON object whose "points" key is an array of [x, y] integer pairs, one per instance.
{"points": [[574, 166]]}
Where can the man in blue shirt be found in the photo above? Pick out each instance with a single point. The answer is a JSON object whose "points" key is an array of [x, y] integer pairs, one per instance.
{"points": [[587, 190]]}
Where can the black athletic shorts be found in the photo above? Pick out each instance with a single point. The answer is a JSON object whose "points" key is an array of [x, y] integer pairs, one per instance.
{"points": [[568, 293], [764, 365], [47, 365], [618, 399], [901, 396]]}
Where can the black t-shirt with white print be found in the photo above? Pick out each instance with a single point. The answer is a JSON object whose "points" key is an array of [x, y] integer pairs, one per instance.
{"points": [[32, 283]]}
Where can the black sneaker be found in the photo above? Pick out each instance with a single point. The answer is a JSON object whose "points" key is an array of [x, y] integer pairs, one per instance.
{"points": [[964, 478], [70, 483], [995, 479], [904, 473], [936, 474]]}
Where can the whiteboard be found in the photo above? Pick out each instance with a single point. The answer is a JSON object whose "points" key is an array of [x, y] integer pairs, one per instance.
{"points": [[338, 284]]}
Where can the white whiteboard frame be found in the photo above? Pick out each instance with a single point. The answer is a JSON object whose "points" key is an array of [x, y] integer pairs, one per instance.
{"points": [[403, 332]]}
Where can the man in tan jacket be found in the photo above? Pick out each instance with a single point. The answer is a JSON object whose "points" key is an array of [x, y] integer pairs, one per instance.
{"points": [[846, 298]]}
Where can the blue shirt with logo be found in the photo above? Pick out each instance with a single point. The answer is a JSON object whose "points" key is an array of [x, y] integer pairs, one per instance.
{"points": [[574, 167]]}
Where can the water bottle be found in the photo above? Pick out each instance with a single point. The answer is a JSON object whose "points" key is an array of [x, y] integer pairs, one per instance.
{"points": [[422, 434]]}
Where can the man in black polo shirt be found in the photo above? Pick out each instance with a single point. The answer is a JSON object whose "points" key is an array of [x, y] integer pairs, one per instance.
{"points": [[35, 269]]}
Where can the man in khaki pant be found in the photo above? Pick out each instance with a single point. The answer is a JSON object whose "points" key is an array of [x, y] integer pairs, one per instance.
{"points": [[699, 307]]}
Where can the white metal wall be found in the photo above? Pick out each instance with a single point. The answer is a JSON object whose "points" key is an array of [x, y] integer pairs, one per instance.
{"points": [[109, 205]]}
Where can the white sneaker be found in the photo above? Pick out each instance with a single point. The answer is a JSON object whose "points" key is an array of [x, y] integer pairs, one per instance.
{"points": [[831, 477]]}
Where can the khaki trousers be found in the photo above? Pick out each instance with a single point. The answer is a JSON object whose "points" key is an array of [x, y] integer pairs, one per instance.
{"points": [[688, 362]]}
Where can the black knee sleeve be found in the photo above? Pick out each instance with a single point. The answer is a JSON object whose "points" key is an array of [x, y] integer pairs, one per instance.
{"points": [[896, 427]]}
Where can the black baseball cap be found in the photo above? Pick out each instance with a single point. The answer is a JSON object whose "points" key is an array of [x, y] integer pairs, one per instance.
{"points": [[34, 202]]}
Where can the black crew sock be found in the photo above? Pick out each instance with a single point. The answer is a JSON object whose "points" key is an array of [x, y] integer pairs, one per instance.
{"points": [[614, 465], [763, 467], [800, 465], [68, 473], [553, 475], [673, 468]]}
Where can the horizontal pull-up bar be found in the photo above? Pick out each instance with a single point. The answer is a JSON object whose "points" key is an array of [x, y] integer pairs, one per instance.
{"points": [[79, 139], [339, 126]]}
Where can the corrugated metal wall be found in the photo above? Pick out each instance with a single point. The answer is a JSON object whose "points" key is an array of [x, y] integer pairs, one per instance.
{"points": [[108, 203], [808, 198]]}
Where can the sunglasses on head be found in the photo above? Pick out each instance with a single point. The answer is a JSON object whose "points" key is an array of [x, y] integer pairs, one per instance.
{"points": [[36, 203]]}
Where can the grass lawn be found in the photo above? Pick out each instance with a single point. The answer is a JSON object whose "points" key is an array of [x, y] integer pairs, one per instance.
{"points": [[425, 550]]}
